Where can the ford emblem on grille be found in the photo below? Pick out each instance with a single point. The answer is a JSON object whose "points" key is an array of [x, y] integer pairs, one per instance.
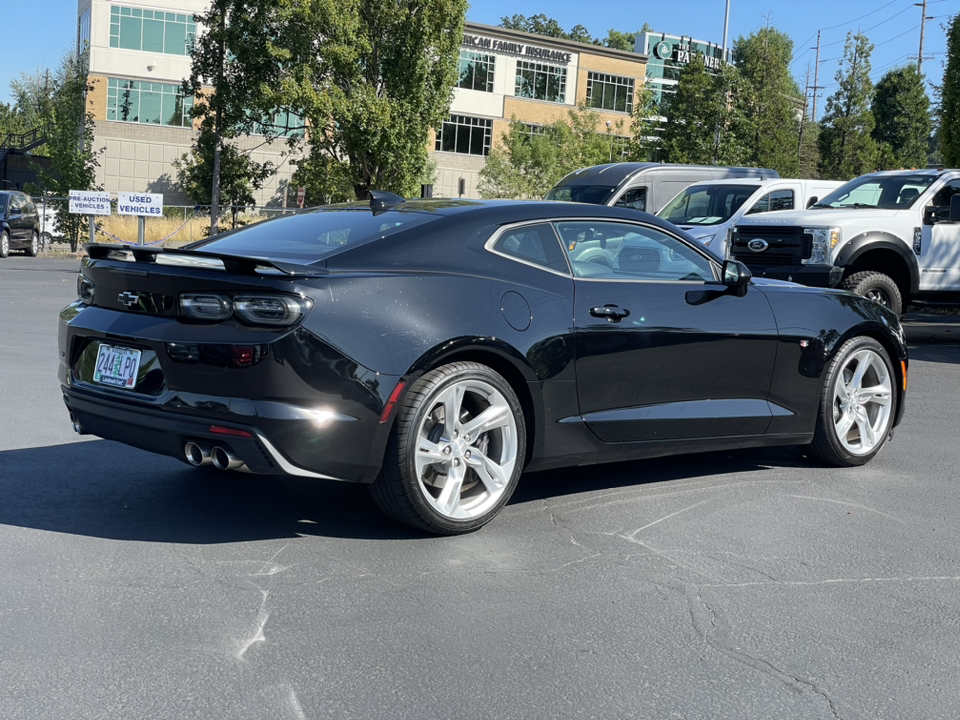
{"points": [[128, 298], [758, 245]]}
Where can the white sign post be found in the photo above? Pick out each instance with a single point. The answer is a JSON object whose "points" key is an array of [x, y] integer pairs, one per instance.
{"points": [[143, 205], [86, 202]]}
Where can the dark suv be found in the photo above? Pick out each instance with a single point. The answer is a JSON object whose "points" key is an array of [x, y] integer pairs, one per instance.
{"points": [[18, 224]]}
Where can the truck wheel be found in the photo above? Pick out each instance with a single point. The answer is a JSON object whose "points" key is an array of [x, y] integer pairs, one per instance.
{"points": [[877, 287]]}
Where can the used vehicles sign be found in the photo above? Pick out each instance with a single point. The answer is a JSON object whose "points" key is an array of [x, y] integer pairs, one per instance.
{"points": [[148, 204]]}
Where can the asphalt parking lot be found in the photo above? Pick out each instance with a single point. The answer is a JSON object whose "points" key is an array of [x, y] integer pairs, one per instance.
{"points": [[749, 584]]}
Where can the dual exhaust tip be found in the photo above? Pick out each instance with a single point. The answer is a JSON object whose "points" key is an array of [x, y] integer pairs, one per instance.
{"points": [[222, 458]]}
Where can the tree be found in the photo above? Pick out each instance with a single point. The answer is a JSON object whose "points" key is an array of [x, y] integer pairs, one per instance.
{"points": [[949, 120], [701, 127], [370, 77], [645, 126], [239, 175], [770, 101], [540, 25], [618, 40], [32, 98], [901, 110], [847, 148], [528, 162], [69, 143]]}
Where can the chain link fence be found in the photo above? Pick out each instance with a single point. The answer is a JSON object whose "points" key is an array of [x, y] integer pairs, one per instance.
{"points": [[180, 224]]}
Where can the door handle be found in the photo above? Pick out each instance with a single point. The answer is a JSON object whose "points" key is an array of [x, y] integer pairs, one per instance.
{"points": [[612, 313]]}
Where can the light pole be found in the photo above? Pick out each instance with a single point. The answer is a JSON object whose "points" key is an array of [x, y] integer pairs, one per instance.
{"points": [[726, 25]]}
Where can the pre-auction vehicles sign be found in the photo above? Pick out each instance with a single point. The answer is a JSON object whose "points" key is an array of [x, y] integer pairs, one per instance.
{"points": [[87, 202], [147, 204]]}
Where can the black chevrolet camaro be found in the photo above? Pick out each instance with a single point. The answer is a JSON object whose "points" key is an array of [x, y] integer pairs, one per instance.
{"points": [[436, 349]]}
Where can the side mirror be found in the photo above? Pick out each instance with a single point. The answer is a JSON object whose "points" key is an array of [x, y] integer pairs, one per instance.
{"points": [[813, 199], [955, 208], [930, 215], [735, 274]]}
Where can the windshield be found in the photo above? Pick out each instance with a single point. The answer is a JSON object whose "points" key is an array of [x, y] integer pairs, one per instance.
{"points": [[594, 194], [892, 192], [3, 204], [311, 236], [706, 204]]}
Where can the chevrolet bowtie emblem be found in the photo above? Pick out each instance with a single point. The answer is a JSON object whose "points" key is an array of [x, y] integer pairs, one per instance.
{"points": [[128, 298]]}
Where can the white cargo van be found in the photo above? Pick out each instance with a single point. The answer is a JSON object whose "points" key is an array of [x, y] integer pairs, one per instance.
{"points": [[641, 186], [708, 210]]}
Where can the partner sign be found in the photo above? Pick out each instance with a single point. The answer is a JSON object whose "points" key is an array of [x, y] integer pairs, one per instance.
{"points": [[143, 204], [86, 202]]}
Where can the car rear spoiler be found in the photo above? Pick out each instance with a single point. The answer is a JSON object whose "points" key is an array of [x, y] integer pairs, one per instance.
{"points": [[241, 265]]}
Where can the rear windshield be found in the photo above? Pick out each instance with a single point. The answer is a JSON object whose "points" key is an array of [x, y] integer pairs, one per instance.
{"points": [[594, 194], [311, 236], [706, 204]]}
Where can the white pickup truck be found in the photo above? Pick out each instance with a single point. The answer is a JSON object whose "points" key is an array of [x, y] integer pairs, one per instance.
{"points": [[709, 209], [891, 236]]}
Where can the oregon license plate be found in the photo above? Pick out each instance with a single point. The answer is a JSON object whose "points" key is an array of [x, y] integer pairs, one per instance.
{"points": [[117, 366]]}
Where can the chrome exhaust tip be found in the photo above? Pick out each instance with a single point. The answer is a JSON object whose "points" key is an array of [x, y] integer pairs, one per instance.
{"points": [[196, 454], [224, 459], [77, 427]]}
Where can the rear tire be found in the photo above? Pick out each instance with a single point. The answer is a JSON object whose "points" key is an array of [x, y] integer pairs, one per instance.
{"points": [[455, 453], [858, 404], [34, 245], [877, 287]]}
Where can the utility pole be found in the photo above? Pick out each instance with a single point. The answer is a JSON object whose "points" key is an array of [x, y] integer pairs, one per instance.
{"points": [[726, 25], [816, 79], [923, 24]]}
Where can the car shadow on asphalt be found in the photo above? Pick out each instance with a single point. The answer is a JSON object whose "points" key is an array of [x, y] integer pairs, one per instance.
{"points": [[108, 490]]}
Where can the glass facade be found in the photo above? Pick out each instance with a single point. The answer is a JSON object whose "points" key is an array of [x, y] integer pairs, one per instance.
{"points": [[83, 32], [151, 30], [610, 92], [475, 71], [147, 103], [540, 81], [466, 135], [668, 55]]}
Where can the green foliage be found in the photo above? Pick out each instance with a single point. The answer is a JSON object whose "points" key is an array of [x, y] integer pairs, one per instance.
{"points": [[69, 132], [325, 178], [527, 164], [618, 40], [950, 98], [702, 127], [644, 144], [901, 111], [548, 27], [770, 101], [239, 175], [847, 148]]}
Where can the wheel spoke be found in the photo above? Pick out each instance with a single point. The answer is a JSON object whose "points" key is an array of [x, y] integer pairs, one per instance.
{"points": [[878, 394], [864, 361], [868, 438], [452, 401], [428, 453], [844, 425], [493, 417], [449, 500], [492, 475]]}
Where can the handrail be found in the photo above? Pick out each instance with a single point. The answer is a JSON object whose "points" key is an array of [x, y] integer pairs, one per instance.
{"points": [[24, 141]]}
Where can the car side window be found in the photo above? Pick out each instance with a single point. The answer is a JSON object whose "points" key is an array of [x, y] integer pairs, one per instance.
{"points": [[624, 251], [635, 198], [16, 203], [776, 200], [537, 244]]}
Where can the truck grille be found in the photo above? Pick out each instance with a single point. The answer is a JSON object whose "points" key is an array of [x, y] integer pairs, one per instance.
{"points": [[785, 245]]}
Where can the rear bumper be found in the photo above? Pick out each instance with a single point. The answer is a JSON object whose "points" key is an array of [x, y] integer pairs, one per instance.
{"points": [[825, 276]]}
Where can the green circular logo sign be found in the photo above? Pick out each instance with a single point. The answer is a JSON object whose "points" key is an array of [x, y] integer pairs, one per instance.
{"points": [[663, 50]]}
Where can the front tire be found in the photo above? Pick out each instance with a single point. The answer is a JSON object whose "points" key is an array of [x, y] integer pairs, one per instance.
{"points": [[456, 451], [4, 244], [877, 287], [857, 406], [34, 245]]}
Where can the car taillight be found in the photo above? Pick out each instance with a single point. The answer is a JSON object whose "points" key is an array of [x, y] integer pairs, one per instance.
{"points": [[85, 289], [270, 309], [206, 306]]}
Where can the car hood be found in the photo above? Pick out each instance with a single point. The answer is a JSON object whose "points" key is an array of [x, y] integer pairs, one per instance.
{"points": [[817, 218]]}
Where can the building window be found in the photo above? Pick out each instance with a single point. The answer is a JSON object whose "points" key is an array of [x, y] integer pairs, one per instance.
{"points": [[284, 124], [475, 71], [610, 92], [148, 103], [83, 32], [151, 30], [466, 135], [541, 82]]}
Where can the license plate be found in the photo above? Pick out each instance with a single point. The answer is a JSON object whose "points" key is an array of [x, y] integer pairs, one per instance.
{"points": [[117, 366]]}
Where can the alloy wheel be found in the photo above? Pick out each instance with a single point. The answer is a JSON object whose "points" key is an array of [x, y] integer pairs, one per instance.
{"points": [[467, 449], [862, 402]]}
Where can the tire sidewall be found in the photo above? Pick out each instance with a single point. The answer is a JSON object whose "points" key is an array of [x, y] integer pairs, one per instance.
{"points": [[4, 244], [34, 245], [883, 283], [413, 415], [834, 376]]}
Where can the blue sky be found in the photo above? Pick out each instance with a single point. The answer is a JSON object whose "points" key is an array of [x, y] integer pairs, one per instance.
{"points": [[892, 25]]}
